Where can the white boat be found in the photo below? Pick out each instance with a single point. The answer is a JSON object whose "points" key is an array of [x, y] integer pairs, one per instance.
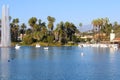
{"points": [[37, 46], [80, 45], [46, 48], [82, 54], [104, 45], [115, 46], [17, 46]]}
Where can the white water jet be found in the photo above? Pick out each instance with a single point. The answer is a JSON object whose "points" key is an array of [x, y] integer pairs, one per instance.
{"points": [[5, 28]]}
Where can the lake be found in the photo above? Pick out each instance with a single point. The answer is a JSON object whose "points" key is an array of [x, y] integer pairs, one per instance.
{"points": [[59, 63]]}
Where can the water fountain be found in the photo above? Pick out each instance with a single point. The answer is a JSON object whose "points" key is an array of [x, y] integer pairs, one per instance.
{"points": [[5, 29]]}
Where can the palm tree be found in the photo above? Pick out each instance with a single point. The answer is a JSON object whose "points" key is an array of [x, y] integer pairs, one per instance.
{"points": [[61, 32], [70, 29], [39, 21], [22, 30], [80, 24], [10, 18], [115, 24], [28, 31], [94, 23], [32, 21], [15, 21], [99, 24], [14, 29], [23, 26], [51, 21]]}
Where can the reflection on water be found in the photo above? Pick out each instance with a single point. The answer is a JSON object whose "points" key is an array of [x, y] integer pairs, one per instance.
{"points": [[4, 55], [4, 67], [112, 54], [59, 63]]}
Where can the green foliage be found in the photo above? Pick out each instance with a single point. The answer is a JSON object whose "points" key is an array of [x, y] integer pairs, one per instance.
{"points": [[70, 30], [23, 26], [28, 39], [63, 41], [15, 21], [80, 24], [28, 31], [44, 39], [101, 25], [106, 29], [36, 36], [51, 21], [32, 21], [117, 29], [36, 27], [14, 30], [74, 38], [50, 39], [81, 40]]}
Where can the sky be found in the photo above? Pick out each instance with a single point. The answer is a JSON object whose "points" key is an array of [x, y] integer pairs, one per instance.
{"points": [[74, 11]]}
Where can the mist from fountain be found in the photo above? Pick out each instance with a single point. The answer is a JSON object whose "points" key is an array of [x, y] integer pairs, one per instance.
{"points": [[5, 28]]}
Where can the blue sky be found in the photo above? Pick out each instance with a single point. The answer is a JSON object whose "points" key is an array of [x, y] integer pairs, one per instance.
{"points": [[75, 11]]}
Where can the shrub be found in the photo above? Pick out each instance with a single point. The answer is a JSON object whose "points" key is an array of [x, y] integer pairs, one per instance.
{"points": [[28, 39]]}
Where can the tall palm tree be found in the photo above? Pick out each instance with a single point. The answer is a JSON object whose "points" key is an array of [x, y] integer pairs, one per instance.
{"points": [[80, 24], [10, 18], [32, 21], [23, 26], [14, 29], [61, 32], [28, 31], [51, 21], [70, 29], [22, 30], [99, 24], [15, 21], [94, 23]]}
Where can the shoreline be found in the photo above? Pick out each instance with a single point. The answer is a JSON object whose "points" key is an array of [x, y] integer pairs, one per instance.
{"points": [[68, 44]]}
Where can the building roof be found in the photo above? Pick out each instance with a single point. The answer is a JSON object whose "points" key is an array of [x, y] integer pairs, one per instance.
{"points": [[116, 40]]}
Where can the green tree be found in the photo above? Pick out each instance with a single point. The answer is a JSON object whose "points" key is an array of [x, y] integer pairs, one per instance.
{"points": [[100, 24], [70, 29], [28, 39], [115, 24], [44, 33], [62, 33], [37, 36], [15, 21], [28, 31], [80, 24], [10, 18], [23, 28], [50, 39], [32, 21], [14, 30], [50, 23]]}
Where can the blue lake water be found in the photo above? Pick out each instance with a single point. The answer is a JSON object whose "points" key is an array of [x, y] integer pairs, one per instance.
{"points": [[59, 63]]}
